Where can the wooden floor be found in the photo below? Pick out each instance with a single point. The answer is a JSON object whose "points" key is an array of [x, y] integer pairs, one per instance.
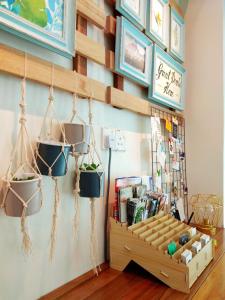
{"points": [[137, 284]]}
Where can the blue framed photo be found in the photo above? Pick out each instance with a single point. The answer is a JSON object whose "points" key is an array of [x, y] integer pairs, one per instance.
{"points": [[48, 23], [168, 80], [133, 10], [133, 53], [177, 35], [157, 22]]}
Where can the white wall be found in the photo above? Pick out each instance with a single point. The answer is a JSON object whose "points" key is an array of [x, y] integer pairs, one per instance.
{"points": [[27, 278], [204, 96]]}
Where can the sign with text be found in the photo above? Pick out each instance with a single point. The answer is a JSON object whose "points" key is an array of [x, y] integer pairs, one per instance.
{"points": [[168, 80]]}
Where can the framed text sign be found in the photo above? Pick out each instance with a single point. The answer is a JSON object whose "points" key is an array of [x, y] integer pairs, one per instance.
{"points": [[168, 80]]}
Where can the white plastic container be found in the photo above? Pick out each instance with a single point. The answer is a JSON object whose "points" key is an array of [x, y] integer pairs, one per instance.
{"points": [[186, 256], [196, 247], [204, 239]]}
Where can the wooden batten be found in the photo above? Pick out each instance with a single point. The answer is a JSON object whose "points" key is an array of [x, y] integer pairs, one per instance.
{"points": [[111, 2], [110, 25], [38, 70], [110, 60], [89, 48], [91, 12], [80, 62], [174, 4], [122, 99]]}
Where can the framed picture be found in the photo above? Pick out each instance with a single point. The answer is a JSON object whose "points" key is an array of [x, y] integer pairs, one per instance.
{"points": [[177, 32], [133, 10], [157, 22], [168, 80], [133, 53], [48, 23]]}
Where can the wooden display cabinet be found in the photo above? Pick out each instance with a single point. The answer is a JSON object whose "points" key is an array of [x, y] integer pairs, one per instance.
{"points": [[146, 244]]}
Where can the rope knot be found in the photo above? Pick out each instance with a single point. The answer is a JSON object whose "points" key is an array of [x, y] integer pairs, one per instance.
{"points": [[51, 98], [23, 120], [25, 205], [50, 172]]}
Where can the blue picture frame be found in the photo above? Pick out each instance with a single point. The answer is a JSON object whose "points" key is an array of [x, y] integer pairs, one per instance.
{"points": [[49, 23], [133, 57], [157, 22], [177, 35], [168, 80], [133, 10]]}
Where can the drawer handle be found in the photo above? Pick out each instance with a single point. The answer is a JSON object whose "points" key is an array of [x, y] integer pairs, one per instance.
{"points": [[127, 248], [164, 274]]}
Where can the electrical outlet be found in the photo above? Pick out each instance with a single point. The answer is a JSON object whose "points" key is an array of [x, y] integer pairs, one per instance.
{"points": [[114, 139], [120, 141], [108, 138]]}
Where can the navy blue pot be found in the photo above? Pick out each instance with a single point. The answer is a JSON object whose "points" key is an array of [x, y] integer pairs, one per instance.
{"points": [[91, 184], [49, 153]]}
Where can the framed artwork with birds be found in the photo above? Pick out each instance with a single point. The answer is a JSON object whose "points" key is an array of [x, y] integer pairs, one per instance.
{"points": [[48, 23]]}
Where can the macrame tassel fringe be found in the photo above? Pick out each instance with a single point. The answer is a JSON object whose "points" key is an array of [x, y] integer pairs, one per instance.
{"points": [[54, 219], [93, 237], [26, 242], [76, 197]]}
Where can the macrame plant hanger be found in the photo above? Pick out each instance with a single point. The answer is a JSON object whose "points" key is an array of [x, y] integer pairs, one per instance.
{"points": [[22, 152], [92, 155], [77, 155], [47, 133]]}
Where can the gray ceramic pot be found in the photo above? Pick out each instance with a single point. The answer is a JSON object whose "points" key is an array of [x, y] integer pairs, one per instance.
{"points": [[25, 189], [76, 133]]}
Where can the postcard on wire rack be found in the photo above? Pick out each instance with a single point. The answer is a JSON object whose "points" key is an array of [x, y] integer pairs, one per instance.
{"points": [[125, 193]]}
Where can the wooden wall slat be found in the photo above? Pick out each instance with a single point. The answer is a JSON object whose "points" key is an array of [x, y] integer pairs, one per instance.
{"points": [[89, 48], [122, 99], [92, 12], [38, 70]]}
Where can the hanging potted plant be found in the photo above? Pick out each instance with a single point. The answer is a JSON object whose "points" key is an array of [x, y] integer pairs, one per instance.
{"points": [[52, 155], [78, 136], [21, 191], [91, 181], [24, 191]]}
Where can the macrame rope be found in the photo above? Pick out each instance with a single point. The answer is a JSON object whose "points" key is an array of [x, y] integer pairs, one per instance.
{"points": [[93, 238], [92, 154], [54, 218], [46, 133], [76, 193], [77, 155], [22, 146]]}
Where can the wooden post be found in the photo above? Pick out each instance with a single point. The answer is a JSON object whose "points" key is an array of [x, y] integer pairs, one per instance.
{"points": [[79, 62]]}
